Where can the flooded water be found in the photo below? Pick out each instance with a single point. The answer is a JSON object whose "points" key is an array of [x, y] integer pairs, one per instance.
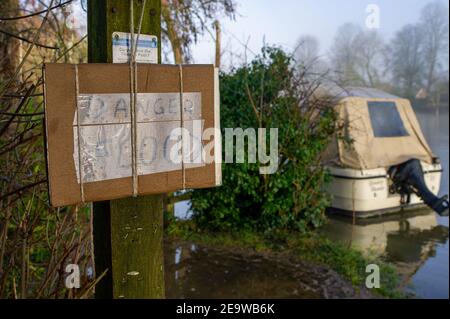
{"points": [[432, 279], [416, 242], [195, 272]]}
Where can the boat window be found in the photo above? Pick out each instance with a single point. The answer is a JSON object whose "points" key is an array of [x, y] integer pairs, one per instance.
{"points": [[386, 120]]}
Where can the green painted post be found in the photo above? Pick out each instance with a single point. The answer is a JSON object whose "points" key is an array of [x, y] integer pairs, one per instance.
{"points": [[128, 233]]}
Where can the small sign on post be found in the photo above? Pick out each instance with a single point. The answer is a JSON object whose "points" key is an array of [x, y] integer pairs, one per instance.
{"points": [[88, 130], [146, 49]]}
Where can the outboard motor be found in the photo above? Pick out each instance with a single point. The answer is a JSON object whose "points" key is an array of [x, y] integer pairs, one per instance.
{"points": [[408, 179]]}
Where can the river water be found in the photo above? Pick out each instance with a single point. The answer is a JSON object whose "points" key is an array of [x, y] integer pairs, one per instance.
{"points": [[417, 243]]}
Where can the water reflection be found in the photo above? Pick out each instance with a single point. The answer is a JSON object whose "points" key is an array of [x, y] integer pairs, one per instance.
{"points": [[416, 240], [408, 240], [403, 237]]}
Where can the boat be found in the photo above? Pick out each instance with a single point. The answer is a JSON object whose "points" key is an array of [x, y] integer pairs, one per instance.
{"points": [[380, 162]]}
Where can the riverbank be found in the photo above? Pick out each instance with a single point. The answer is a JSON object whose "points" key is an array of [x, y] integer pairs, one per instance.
{"points": [[310, 265]]}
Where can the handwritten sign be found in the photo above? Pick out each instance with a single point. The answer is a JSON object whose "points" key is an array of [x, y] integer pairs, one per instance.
{"points": [[91, 151], [105, 130]]}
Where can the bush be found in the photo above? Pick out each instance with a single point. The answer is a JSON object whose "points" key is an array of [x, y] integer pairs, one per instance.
{"points": [[270, 93]]}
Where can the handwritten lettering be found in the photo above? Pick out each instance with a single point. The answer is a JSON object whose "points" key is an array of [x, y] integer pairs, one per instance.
{"points": [[106, 134]]}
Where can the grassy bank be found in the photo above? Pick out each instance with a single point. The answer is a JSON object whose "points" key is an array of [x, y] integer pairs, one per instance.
{"points": [[348, 262]]}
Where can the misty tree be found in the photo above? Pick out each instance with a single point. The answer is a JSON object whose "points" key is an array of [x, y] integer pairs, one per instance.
{"points": [[405, 60], [307, 58], [370, 55], [184, 21], [357, 56], [343, 55], [307, 51], [435, 29]]}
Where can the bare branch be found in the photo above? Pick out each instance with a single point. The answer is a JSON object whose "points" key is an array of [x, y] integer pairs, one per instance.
{"points": [[36, 13], [23, 188], [16, 73], [27, 40]]}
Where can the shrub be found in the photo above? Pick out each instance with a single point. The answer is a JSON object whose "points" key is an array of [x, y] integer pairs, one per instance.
{"points": [[270, 93]]}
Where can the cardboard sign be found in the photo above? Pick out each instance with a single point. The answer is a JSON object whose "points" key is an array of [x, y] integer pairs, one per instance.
{"points": [[96, 153], [146, 49]]}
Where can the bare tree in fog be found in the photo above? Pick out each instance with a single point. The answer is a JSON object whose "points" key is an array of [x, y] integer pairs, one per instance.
{"points": [[307, 57], [416, 58], [435, 29], [405, 60], [307, 50], [370, 53], [357, 56], [343, 55]]}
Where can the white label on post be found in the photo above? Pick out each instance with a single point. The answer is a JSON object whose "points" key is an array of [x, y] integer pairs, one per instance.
{"points": [[146, 52]]}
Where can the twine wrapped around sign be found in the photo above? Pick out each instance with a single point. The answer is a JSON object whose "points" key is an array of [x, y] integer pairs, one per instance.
{"points": [[134, 92], [183, 170], [80, 160], [133, 98]]}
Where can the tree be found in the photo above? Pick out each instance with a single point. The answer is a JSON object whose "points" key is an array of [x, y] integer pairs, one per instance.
{"points": [[9, 45], [307, 51], [405, 61], [370, 52], [184, 21], [357, 56], [344, 55], [435, 30], [36, 241], [307, 57]]}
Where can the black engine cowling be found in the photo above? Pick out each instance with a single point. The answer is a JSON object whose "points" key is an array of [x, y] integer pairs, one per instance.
{"points": [[408, 179]]}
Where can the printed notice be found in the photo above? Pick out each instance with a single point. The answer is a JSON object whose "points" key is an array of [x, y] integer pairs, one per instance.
{"points": [[146, 52]]}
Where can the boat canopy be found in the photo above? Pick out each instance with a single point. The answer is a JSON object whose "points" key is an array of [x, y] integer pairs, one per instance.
{"points": [[379, 130]]}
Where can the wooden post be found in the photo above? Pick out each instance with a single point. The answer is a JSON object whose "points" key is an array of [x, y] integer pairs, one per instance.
{"points": [[218, 44], [128, 233]]}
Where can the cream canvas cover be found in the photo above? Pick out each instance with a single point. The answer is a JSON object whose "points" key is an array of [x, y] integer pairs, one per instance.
{"points": [[380, 130]]}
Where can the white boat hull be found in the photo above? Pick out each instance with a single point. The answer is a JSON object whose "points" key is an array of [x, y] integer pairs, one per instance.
{"points": [[366, 192]]}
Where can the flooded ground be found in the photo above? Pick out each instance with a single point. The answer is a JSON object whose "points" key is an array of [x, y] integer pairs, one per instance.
{"points": [[417, 242], [194, 271]]}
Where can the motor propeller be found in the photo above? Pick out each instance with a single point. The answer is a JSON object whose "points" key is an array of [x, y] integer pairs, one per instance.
{"points": [[408, 179]]}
